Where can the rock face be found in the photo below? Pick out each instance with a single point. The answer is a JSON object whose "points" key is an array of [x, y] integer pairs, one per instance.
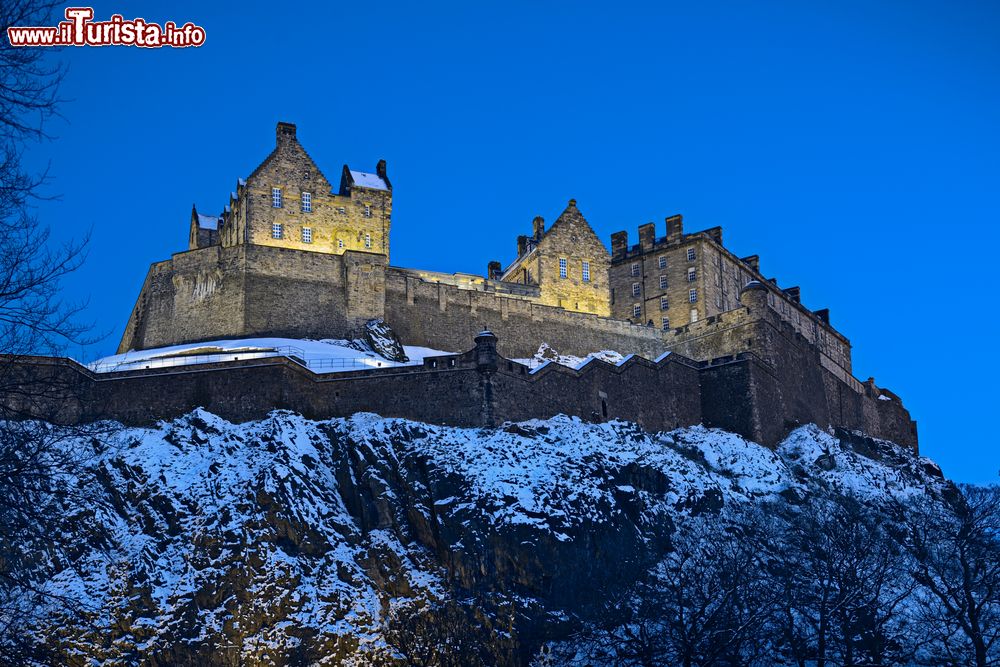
{"points": [[387, 542], [384, 341]]}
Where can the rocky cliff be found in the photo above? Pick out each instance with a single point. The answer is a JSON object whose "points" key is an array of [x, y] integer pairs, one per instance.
{"points": [[383, 541]]}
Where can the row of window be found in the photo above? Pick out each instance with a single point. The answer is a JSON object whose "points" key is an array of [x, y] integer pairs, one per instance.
{"points": [[564, 272], [665, 303], [278, 232], [277, 201], [637, 287], [661, 261]]}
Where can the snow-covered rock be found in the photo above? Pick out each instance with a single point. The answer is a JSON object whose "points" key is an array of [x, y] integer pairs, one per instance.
{"points": [[370, 540]]}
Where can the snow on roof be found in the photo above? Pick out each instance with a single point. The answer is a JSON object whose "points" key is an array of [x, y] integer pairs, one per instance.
{"points": [[366, 180], [320, 356], [208, 221]]}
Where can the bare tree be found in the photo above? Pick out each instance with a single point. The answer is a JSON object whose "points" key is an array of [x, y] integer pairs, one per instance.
{"points": [[41, 478], [843, 578], [956, 564]]}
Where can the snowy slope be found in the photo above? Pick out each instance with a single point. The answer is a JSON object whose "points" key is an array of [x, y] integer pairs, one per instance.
{"points": [[346, 540]]}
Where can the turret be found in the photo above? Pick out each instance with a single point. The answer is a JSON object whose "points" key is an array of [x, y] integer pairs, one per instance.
{"points": [[486, 350]]}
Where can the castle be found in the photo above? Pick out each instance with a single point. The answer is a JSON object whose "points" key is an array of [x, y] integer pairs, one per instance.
{"points": [[291, 255]]}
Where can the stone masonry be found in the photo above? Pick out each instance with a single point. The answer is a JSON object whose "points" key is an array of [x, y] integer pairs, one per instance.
{"points": [[292, 256]]}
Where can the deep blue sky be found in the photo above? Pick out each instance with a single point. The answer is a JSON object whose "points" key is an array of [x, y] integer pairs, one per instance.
{"points": [[854, 145]]}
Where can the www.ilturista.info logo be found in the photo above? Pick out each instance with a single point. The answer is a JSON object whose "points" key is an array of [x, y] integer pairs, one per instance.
{"points": [[79, 29]]}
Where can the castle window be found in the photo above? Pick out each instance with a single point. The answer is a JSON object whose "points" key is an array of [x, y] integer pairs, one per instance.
{"points": [[691, 254], [665, 323], [562, 267], [663, 282], [368, 240], [664, 303], [636, 310], [586, 272], [635, 268], [662, 262], [307, 235], [277, 231], [693, 296], [368, 210], [694, 314], [275, 197], [307, 202], [340, 244], [636, 289], [692, 274]]}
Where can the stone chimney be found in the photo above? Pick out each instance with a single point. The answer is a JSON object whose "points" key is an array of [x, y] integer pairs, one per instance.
{"points": [[538, 227], [647, 236], [675, 228], [380, 171], [285, 132], [522, 245], [494, 270], [794, 293], [823, 314], [619, 245], [715, 233], [753, 261]]}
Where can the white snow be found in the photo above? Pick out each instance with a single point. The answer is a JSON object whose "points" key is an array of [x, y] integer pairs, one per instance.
{"points": [[201, 479], [366, 180], [546, 354], [208, 221], [320, 356]]}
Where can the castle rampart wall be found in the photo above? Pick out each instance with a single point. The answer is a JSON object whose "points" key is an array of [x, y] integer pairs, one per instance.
{"points": [[446, 317], [243, 291], [746, 394]]}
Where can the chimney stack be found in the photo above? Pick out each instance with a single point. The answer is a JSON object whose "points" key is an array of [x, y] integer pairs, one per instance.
{"points": [[522, 245], [675, 228], [619, 245], [753, 261], [538, 227], [647, 236], [494, 270], [284, 132], [794, 293]]}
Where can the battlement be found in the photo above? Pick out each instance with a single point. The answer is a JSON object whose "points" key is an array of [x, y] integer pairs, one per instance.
{"points": [[745, 393]]}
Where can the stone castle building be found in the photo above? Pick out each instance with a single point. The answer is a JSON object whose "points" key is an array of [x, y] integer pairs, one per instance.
{"points": [[296, 256]]}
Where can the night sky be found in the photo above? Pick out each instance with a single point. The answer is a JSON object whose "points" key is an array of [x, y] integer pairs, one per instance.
{"points": [[854, 146]]}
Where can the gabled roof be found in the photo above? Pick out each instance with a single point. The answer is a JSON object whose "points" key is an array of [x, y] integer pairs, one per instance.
{"points": [[363, 179], [208, 221]]}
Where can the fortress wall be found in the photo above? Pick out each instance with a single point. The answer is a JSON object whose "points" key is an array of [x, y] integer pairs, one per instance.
{"points": [[742, 394], [250, 291], [658, 397], [312, 295], [193, 296], [447, 317]]}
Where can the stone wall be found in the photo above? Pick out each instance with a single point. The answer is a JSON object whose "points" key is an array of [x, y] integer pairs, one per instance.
{"points": [[746, 394], [446, 317], [452, 389], [249, 291]]}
